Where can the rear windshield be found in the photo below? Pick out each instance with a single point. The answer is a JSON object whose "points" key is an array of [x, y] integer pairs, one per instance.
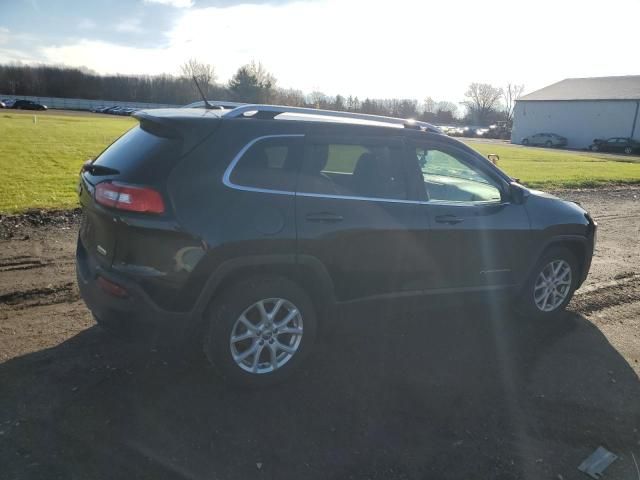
{"points": [[140, 155]]}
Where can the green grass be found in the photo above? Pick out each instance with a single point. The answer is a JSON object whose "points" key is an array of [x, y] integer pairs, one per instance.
{"points": [[40, 161], [545, 168]]}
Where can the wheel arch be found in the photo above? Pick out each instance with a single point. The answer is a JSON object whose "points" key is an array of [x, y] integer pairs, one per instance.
{"points": [[576, 244], [306, 271]]}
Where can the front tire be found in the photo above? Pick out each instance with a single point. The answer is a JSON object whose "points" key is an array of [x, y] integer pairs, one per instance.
{"points": [[628, 150], [549, 144], [551, 284], [260, 331], [525, 141]]}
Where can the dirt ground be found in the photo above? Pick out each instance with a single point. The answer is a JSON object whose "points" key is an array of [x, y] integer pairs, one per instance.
{"points": [[398, 391]]}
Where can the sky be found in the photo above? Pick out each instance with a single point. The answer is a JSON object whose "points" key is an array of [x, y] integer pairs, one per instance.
{"points": [[381, 49]]}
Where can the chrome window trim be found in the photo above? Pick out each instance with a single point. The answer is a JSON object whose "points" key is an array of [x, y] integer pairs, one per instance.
{"points": [[355, 197], [226, 180]]}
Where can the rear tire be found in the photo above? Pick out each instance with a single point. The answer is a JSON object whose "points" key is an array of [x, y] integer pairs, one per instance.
{"points": [[594, 148], [551, 285], [549, 144], [525, 141], [260, 331]]}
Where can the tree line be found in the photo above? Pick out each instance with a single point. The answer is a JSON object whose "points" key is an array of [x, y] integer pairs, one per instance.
{"points": [[251, 83]]}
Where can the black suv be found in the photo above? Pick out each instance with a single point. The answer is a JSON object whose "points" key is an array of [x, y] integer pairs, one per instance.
{"points": [[615, 144], [28, 105], [245, 225]]}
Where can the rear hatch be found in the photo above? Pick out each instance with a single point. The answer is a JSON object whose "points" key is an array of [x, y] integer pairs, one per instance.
{"points": [[141, 159]]}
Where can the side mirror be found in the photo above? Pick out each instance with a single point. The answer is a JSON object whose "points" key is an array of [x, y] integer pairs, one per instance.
{"points": [[518, 193], [493, 157]]}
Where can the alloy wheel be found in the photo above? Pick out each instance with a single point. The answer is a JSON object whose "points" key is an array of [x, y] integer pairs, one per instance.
{"points": [[552, 285], [266, 335]]}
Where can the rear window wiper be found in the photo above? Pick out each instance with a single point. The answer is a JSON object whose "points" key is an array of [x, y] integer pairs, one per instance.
{"points": [[97, 169]]}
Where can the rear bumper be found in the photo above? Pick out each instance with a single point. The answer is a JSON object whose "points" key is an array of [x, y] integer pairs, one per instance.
{"points": [[135, 307]]}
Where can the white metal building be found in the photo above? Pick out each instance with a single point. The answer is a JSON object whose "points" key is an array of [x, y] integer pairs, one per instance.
{"points": [[581, 109]]}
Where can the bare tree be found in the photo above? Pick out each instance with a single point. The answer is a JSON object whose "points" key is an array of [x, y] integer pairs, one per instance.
{"points": [[482, 99], [510, 94], [430, 105], [203, 72], [318, 99]]}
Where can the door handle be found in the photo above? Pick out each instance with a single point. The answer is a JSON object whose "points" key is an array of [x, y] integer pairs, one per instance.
{"points": [[449, 219], [326, 217]]}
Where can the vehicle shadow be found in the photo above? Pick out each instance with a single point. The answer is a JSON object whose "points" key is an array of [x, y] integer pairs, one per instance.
{"points": [[393, 391]]}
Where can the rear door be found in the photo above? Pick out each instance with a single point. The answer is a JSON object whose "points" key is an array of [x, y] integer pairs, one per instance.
{"points": [[354, 214], [469, 234]]}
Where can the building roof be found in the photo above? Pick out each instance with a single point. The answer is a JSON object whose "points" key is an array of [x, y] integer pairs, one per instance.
{"points": [[595, 88]]}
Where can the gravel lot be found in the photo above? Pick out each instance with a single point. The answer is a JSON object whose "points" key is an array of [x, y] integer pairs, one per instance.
{"points": [[399, 391]]}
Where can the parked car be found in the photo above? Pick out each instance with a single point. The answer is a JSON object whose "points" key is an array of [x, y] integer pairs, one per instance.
{"points": [[8, 103], [3, 105], [615, 144], [545, 140], [247, 227], [28, 105], [500, 130], [112, 110]]}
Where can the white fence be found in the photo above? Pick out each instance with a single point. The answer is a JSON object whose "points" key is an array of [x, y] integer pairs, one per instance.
{"points": [[83, 104]]}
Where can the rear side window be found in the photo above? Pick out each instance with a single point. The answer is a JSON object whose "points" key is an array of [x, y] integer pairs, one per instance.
{"points": [[141, 155], [354, 169], [269, 164]]}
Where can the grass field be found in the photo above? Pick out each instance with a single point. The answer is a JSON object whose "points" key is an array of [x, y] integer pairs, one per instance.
{"points": [[546, 168], [40, 160]]}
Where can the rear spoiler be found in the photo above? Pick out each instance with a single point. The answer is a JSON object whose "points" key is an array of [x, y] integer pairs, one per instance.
{"points": [[191, 126]]}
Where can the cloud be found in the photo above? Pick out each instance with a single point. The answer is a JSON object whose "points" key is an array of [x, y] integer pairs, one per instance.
{"points": [[173, 3], [410, 48], [105, 57]]}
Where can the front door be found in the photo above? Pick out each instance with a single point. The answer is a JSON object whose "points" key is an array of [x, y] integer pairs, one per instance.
{"points": [[469, 232]]}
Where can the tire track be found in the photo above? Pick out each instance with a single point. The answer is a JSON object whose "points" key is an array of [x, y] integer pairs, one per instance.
{"points": [[609, 294], [23, 263], [614, 216], [63, 293]]}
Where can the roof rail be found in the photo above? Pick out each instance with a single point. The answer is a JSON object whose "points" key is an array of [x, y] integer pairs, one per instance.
{"points": [[271, 111]]}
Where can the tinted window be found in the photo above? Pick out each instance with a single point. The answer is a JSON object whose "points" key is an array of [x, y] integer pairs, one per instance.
{"points": [[354, 169], [141, 153], [270, 164], [447, 177]]}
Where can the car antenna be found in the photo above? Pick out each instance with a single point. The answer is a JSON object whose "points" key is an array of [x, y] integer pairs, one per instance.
{"points": [[207, 105]]}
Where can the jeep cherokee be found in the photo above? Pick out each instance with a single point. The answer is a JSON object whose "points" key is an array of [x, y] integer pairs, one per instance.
{"points": [[244, 225]]}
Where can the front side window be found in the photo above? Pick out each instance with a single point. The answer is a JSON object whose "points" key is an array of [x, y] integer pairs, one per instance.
{"points": [[354, 169], [269, 164], [448, 178]]}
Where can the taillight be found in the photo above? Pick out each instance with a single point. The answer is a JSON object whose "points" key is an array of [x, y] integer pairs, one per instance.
{"points": [[130, 198], [112, 288]]}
